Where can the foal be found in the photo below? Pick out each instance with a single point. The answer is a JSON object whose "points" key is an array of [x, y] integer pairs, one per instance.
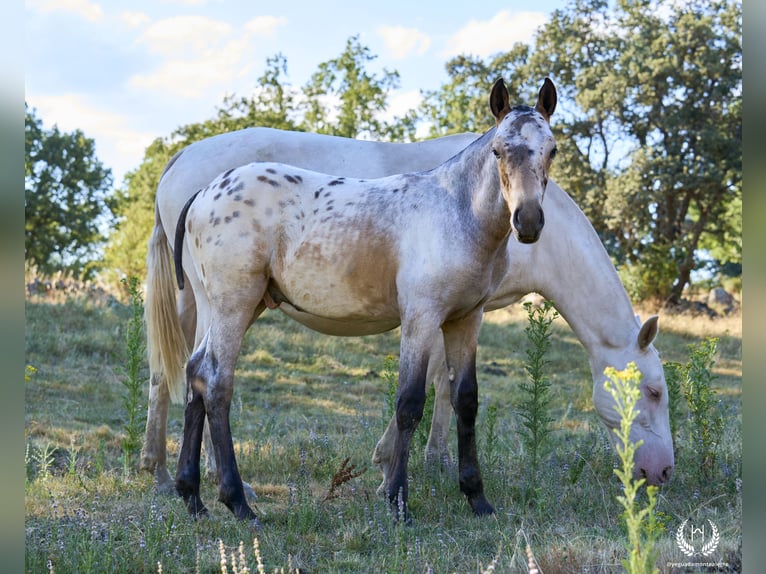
{"points": [[345, 256]]}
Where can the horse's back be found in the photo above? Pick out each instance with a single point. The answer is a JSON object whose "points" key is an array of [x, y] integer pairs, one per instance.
{"points": [[200, 162]]}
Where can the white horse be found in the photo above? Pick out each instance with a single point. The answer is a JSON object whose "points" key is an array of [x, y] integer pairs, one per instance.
{"points": [[572, 269], [349, 256]]}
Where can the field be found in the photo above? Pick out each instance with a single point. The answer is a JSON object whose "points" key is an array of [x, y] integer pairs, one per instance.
{"points": [[303, 404]]}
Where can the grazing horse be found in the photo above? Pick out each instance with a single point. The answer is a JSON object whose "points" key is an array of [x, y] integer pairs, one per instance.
{"points": [[351, 257]]}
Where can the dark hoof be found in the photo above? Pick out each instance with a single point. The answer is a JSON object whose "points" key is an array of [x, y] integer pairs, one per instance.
{"points": [[481, 507]]}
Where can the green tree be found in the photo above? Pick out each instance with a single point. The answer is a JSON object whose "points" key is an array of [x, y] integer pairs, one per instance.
{"points": [[460, 105], [67, 200], [125, 254], [343, 98], [653, 143]]}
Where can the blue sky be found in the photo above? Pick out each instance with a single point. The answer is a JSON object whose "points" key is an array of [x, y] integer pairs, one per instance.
{"points": [[126, 72]]}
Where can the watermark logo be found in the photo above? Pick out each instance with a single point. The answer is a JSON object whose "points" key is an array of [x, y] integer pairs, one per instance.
{"points": [[697, 540]]}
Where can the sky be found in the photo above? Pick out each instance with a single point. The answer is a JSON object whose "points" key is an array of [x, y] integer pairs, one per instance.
{"points": [[127, 72]]}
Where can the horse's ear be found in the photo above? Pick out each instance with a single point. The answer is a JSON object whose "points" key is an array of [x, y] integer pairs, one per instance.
{"points": [[498, 100], [546, 99], [648, 332]]}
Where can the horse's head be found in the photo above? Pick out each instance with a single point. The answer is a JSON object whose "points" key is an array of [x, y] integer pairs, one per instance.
{"points": [[654, 459], [524, 147]]}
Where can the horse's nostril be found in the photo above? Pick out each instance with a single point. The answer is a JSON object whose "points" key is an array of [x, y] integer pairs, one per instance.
{"points": [[666, 472]]}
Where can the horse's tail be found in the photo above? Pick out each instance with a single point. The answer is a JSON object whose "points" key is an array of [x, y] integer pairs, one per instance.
{"points": [[166, 344]]}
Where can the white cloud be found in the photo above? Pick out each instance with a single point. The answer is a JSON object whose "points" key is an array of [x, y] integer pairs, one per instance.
{"points": [[134, 19], [265, 26], [498, 34], [202, 56], [185, 35], [401, 41], [89, 11]]}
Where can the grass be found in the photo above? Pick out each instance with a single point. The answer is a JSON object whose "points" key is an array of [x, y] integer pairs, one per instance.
{"points": [[305, 403]]}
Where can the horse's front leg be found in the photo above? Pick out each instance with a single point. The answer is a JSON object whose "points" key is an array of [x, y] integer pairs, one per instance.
{"points": [[436, 450], [410, 400], [460, 342]]}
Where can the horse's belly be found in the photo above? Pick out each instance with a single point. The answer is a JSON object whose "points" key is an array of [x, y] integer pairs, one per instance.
{"points": [[350, 292]]}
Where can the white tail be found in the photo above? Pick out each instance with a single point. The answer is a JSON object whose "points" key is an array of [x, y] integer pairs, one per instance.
{"points": [[166, 344]]}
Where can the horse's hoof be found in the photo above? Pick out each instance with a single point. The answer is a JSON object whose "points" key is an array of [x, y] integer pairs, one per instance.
{"points": [[481, 507]]}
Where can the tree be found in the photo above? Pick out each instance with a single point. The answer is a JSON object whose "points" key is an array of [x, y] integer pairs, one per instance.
{"points": [[652, 149], [342, 98], [461, 104], [67, 203]]}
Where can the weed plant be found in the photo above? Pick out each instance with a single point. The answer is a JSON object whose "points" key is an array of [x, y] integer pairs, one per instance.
{"points": [[133, 379], [534, 407], [641, 523]]}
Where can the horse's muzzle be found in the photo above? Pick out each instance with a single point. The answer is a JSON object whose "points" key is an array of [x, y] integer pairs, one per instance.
{"points": [[528, 223]]}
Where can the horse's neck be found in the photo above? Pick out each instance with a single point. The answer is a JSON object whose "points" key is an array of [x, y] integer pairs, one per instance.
{"points": [[579, 277], [472, 177]]}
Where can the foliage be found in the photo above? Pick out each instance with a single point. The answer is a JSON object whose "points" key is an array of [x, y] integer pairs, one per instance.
{"points": [[460, 105], [534, 407], [343, 98], [648, 127], [67, 204], [656, 126], [704, 411], [640, 522], [133, 381], [674, 373]]}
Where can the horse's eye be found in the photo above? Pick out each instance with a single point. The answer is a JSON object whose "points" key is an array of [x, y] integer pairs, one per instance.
{"points": [[653, 392], [495, 153], [553, 153]]}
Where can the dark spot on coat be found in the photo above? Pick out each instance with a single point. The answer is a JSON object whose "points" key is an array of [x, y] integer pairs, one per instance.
{"points": [[217, 196], [292, 179], [317, 192], [224, 183], [338, 181], [270, 170], [249, 202], [271, 182], [235, 188], [228, 173]]}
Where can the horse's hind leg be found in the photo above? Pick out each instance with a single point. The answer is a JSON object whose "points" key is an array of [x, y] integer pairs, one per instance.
{"points": [[460, 341], [187, 471], [232, 312]]}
